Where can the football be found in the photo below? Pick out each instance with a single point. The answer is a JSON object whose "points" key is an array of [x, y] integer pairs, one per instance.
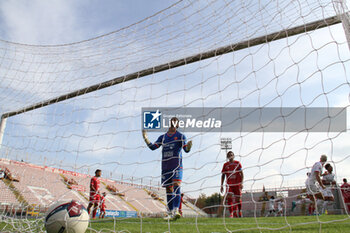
{"points": [[66, 216]]}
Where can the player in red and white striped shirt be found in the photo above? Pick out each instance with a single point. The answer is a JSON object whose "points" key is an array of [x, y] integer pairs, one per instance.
{"points": [[232, 171], [94, 193]]}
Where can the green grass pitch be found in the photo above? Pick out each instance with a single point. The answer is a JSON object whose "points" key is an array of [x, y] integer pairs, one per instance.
{"points": [[271, 224], [324, 223]]}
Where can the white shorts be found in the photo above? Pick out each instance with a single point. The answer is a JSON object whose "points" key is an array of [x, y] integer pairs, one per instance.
{"points": [[312, 189], [327, 192]]}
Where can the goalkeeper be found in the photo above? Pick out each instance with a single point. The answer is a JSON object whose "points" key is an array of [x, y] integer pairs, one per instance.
{"points": [[172, 142]]}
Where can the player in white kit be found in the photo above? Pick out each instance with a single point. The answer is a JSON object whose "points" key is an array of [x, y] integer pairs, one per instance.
{"points": [[328, 179], [280, 206], [314, 184], [271, 204]]}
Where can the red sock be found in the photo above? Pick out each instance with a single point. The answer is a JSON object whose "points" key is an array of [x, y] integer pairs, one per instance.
{"points": [[234, 208], [94, 213], [239, 205], [240, 208], [230, 204]]}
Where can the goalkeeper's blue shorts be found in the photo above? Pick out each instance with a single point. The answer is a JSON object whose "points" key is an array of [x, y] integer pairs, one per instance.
{"points": [[169, 177]]}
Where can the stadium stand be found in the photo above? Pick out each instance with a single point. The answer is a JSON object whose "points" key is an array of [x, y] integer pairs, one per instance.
{"points": [[7, 197], [37, 187], [40, 186]]}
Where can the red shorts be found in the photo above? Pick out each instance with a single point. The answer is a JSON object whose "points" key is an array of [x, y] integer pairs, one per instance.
{"points": [[94, 198], [235, 189], [347, 203]]}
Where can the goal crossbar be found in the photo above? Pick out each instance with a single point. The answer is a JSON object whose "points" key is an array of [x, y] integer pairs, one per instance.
{"points": [[180, 62]]}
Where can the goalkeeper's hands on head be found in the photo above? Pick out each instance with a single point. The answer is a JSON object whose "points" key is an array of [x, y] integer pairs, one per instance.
{"points": [[144, 135]]}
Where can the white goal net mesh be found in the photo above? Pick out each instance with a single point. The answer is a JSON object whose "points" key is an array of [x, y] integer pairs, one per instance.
{"points": [[276, 54]]}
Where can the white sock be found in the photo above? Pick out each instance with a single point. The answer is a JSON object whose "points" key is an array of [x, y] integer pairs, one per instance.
{"points": [[319, 204], [325, 203]]}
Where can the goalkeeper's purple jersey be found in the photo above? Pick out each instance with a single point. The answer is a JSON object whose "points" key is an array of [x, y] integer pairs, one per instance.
{"points": [[171, 152]]}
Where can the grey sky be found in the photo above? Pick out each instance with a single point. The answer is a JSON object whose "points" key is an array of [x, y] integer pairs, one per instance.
{"points": [[60, 22]]}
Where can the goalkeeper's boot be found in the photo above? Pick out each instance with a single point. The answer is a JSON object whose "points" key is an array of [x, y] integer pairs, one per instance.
{"points": [[176, 215]]}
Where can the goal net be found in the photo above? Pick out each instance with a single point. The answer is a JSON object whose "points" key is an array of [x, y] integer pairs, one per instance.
{"points": [[70, 109]]}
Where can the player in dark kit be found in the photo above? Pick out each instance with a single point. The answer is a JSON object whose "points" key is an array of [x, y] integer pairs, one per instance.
{"points": [[172, 144], [94, 199]]}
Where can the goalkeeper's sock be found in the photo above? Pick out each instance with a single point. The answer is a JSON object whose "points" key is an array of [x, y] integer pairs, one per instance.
{"points": [[177, 196], [294, 204], [170, 201]]}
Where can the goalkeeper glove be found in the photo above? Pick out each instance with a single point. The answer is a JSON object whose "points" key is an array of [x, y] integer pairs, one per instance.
{"points": [[189, 146]]}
